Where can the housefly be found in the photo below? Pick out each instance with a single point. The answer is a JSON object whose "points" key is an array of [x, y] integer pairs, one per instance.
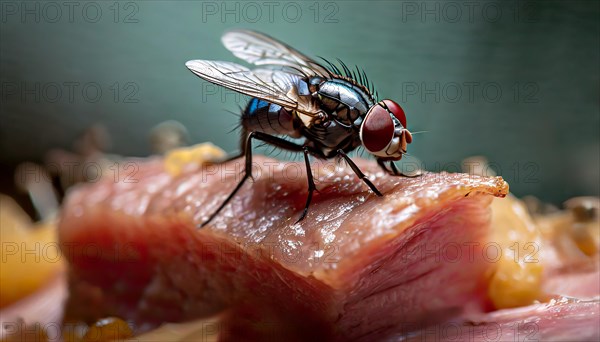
{"points": [[334, 109]]}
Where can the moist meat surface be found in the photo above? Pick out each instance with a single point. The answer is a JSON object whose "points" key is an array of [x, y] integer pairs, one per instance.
{"points": [[355, 268]]}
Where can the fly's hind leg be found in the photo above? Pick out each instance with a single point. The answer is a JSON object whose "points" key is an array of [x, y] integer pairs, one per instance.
{"points": [[247, 151], [242, 151]]}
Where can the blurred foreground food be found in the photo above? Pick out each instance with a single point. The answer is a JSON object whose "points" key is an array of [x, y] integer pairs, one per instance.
{"points": [[30, 253]]}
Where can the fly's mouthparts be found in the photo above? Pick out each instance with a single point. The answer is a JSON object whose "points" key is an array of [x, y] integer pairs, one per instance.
{"points": [[408, 136]]}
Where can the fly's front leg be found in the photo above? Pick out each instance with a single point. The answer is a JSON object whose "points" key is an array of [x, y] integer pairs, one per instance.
{"points": [[381, 164], [393, 170], [359, 173], [247, 150]]}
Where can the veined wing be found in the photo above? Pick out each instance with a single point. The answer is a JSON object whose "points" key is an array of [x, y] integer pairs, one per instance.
{"points": [[274, 86], [259, 49]]}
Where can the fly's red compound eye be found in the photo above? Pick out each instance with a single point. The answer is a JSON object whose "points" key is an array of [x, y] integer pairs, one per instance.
{"points": [[377, 130], [396, 110]]}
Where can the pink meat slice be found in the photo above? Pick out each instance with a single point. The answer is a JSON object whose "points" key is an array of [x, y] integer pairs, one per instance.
{"points": [[561, 319], [354, 268]]}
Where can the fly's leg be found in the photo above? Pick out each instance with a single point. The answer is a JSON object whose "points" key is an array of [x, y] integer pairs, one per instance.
{"points": [[381, 164], [393, 170], [311, 184], [244, 137], [359, 173], [269, 139]]}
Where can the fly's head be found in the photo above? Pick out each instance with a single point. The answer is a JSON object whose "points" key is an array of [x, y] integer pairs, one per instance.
{"points": [[383, 131]]}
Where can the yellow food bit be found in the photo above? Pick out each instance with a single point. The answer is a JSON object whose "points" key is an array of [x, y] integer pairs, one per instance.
{"points": [[73, 330], [518, 273], [584, 225], [30, 254], [180, 159], [574, 232], [12, 218], [585, 236], [108, 329]]}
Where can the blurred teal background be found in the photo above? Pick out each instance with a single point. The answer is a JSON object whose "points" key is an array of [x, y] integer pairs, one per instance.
{"points": [[514, 81]]}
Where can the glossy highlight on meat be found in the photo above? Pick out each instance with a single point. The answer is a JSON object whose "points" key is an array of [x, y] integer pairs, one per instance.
{"points": [[355, 269]]}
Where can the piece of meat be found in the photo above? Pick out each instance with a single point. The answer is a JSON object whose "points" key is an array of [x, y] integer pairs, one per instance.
{"points": [[354, 268], [561, 319]]}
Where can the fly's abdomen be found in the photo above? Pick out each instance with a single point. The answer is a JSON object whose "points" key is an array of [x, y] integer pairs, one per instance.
{"points": [[269, 118]]}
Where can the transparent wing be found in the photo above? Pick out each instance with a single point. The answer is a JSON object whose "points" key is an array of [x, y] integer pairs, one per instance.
{"points": [[274, 86], [259, 49]]}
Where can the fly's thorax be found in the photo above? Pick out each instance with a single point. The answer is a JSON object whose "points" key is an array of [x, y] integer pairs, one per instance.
{"points": [[345, 101], [314, 83]]}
